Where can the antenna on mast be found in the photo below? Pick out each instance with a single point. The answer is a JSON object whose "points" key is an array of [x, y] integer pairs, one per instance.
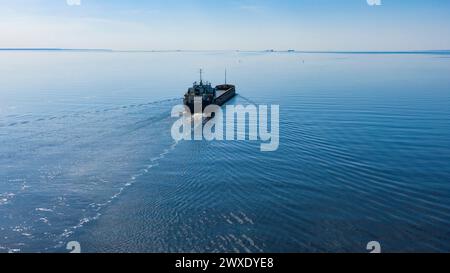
{"points": [[201, 80], [225, 76]]}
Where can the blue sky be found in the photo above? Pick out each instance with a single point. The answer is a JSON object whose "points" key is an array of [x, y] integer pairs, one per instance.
{"points": [[231, 24]]}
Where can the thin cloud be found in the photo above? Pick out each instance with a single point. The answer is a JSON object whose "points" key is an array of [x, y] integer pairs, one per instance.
{"points": [[252, 8]]}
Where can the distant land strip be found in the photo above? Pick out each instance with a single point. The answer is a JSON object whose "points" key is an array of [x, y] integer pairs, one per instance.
{"points": [[430, 52], [439, 52], [52, 49]]}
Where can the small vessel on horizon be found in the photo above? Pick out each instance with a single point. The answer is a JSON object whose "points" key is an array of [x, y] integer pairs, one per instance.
{"points": [[203, 92]]}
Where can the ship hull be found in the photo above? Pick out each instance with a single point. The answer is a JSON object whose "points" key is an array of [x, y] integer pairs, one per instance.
{"points": [[229, 91], [225, 93]]}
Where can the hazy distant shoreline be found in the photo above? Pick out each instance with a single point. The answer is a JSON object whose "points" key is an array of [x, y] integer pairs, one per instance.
{"points": [[432, 52]]}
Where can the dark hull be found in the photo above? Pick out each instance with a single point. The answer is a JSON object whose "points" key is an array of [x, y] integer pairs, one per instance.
{"points": [[229, 93], [226, 93]]}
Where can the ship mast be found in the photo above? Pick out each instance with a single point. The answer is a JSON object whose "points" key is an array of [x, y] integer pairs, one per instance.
{"points": [[225, 76], [201, 80]]}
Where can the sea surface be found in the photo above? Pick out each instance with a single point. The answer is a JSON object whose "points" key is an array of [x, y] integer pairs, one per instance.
{"points": [[86, 154]]}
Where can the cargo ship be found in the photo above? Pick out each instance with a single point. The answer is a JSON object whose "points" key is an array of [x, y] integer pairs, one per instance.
{"points": [[206, 94]]}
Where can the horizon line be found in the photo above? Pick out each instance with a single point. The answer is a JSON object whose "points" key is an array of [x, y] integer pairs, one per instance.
{"points": [[426, 51]]}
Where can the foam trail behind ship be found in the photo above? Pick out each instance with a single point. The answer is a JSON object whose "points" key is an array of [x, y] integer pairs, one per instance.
{"points": [[81, 162]]}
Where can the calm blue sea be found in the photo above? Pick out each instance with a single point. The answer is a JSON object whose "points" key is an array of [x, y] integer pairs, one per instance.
{"points": [[86, 154]]}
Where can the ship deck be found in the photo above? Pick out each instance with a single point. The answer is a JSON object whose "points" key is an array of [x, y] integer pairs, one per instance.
{"points": [[220, 93]]}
